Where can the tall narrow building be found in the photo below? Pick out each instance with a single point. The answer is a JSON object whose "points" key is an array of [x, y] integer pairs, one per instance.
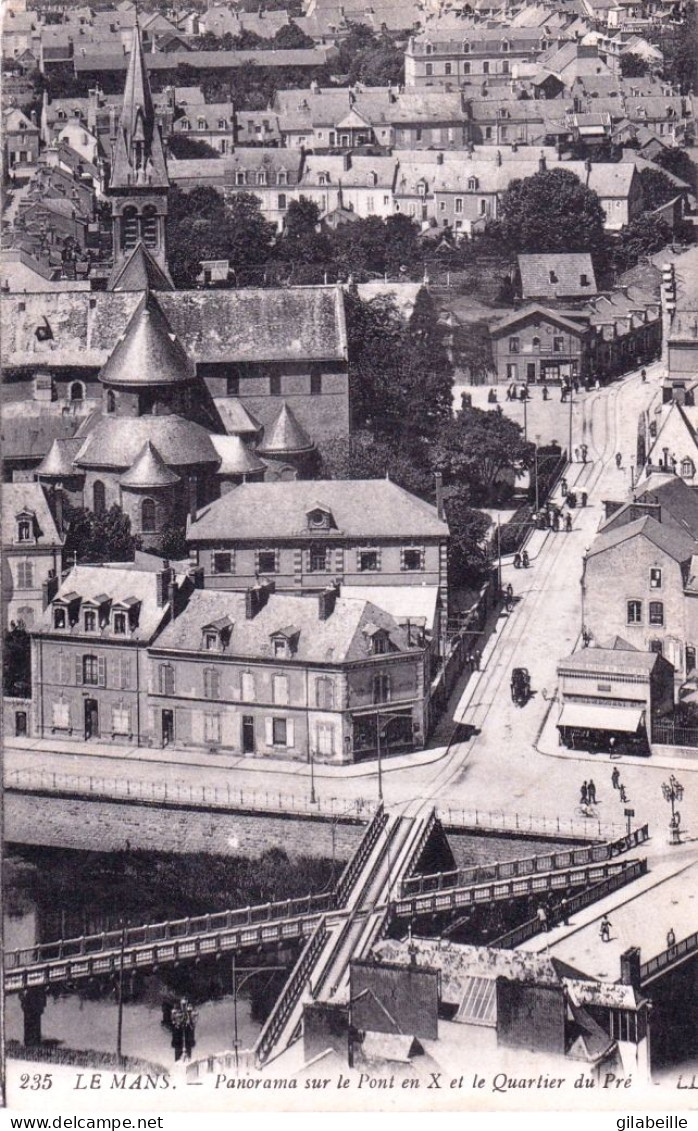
{"points": [[138, 184]]}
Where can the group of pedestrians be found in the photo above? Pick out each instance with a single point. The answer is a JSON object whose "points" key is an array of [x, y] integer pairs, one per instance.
{"points": [[588, 793], [581, 454]]}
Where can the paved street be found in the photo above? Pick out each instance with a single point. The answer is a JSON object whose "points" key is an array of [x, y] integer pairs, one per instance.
{"points": [[501, 766]]}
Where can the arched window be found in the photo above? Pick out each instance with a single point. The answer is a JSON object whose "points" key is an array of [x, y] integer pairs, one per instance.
{"points": [[129, 228], [148, 516], [111, 401], [99, 500], [149, 226], [77, 391], [688, 469]]}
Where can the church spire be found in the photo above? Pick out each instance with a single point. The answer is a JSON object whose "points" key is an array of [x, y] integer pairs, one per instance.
{"points": [[139, 158]]}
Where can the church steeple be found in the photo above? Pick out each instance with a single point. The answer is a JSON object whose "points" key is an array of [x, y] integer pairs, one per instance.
{"points": [[139, 183]]}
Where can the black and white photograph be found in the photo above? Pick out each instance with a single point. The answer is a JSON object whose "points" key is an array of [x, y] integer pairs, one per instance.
{"points": [[349, 559]]}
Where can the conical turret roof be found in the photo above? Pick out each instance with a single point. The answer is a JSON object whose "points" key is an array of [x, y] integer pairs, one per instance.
{"points": [[139, 271], [58, 461], [285, 436], [236, 458], [149, 353], [149, 470]]}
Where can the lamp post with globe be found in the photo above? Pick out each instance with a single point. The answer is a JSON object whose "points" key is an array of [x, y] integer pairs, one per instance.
{"points": [[673, 792]]}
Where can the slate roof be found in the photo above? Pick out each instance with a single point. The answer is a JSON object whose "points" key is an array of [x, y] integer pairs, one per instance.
{"points": [[148, 353], [231, 325], [139, 271], [285, 436], [31, 497], [235, 457], [362, 508], [58, 462], [236, 418], [677, 544], [119, 584], [359, 171], [568, 269], [674, 496], [206, 60], [149, 470], [615, 661], [338, 639], [30, 437], [544, 314], [117, 441], [416, 603]]}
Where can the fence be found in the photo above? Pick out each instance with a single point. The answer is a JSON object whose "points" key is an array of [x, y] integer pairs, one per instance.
{"points": [[356, 864], [668, 733], [179, 795], [627, 873], [589, 829], [550, 862]]}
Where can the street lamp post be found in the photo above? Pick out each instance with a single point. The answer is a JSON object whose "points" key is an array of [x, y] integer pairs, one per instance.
{"points": [[120, 999], [525, 404], [673, 792], [535, 457], [313, 798], [237, 986], [569, 460]]}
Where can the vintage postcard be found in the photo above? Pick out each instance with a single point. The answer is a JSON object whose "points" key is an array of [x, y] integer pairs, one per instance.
{"points": [[350, 557]]}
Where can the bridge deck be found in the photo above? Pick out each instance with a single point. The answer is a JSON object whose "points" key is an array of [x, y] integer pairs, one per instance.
{"points": [[667, 897]]}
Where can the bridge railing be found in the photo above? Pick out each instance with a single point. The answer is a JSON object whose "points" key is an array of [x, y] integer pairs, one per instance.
{"points": [[498, 820], [628, 872], [355, 866], [668, 957], [171, 930], [179, 795], [426, 903], [526, 866], [418, 848], [291, 993]]}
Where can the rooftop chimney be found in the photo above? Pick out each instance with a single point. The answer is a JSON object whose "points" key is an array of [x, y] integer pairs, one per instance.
{"points": [[439, 482], [163, 585], [327, 600], [630, 967], [257, 597]]}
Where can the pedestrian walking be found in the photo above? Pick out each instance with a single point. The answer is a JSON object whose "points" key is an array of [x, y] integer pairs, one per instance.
{"points": [[525, 559], [670, 939], [568, 522], [576, 455], [584, 498], [644, 376], [591, 792], [584, 794], [565, 912], [623, 795], [563, 486], [517, 561], [585, 451], [545, 393], [605, 929], [556, 523], [619, 459], [542, 917], [476, 661], [615, 777]]}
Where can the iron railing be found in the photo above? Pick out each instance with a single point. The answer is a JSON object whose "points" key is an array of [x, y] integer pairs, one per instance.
{"points": [[549, 862], [669, 957], [291, 993], [355, 866], [629, 871], [553, 828]]}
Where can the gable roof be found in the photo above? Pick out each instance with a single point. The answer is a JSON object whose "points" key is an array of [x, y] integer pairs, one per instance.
{"points": [[362, 508], [674, 496], [675, 543], [543, 313], [557, 276], [139, 271], [614, 660]]}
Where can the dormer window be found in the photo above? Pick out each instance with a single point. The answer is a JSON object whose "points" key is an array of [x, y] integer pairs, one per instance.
{"points": [[322, 179], [428, 49], [472, 184], [60, 618], [211, 641], [285, 641], [201, 123], [90, 620], [261, 177], [239, 178], [222, 123], [119, 624], [25, 531], [216, 635], [319, 518], [584, 280], [466, 47], [505, 45], [280, 647], [422, 188], [185, 124], [282, 177]]}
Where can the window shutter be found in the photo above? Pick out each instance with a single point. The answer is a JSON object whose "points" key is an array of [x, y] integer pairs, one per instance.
{"points": [[78, 670], [102, 672], [126, 671], [402, 557], [289, 732], [269, 732]]}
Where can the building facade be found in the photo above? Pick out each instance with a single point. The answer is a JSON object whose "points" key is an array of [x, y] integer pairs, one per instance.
{"points": [[32, 552]]}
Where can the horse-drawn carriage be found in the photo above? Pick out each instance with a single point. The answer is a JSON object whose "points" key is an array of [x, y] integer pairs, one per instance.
{"points": [[520, 686]]}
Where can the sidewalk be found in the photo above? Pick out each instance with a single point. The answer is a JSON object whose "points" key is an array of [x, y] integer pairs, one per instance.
{"points": [[549, 746]]}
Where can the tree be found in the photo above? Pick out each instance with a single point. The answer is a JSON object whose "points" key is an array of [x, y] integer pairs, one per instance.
{"points": [[361, 456], [633, 66], [250, 236], [551, 211], [183, 147], [301, 240], [16, 662], [290, 37], [370, 244], [173, 543], [677, 162], [102, 537], [477, 448], [657, 188], [382, 65], [680, 51], [467, 555], [645, 235]]}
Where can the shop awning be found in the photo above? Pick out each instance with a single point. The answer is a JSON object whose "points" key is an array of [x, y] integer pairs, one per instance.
{"points": [[591, 716]]}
